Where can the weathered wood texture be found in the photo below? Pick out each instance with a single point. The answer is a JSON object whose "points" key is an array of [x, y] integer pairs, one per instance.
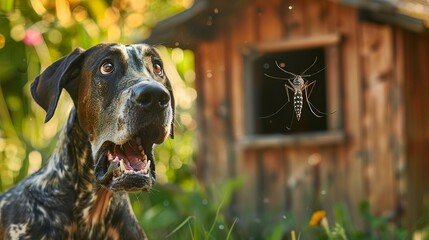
{"points": [[376, 52], [416, 85], [300, 178]]}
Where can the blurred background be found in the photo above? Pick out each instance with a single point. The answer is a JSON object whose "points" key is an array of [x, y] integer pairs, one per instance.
{"points": [[358, 161]]}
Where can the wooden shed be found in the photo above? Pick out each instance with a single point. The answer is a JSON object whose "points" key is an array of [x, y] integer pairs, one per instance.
{"points": [[373, 77]]}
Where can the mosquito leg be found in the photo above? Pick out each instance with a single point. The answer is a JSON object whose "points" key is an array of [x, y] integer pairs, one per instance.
{"points": [[268, 116], [324, 113], [284, 105], [307, 96], [291, 121], [307, 85], [311, 90], [308, 101], [287, 87]]}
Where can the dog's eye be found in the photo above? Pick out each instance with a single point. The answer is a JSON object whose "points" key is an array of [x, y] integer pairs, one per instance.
{"points": [[157, 69], [107, 67]]}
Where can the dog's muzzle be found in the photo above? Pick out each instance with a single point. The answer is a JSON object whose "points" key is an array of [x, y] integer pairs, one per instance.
{"points": [[129, 165]]}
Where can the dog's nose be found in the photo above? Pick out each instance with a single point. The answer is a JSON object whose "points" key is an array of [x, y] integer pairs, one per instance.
{"points": [[152, 96]]}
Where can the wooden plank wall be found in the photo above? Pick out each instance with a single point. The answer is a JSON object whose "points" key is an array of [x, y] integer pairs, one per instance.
{"points": [[416, 85], [381, 110], [300, 179]]}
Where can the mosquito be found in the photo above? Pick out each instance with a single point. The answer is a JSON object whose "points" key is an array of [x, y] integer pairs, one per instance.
{"points": [[299, 86]]}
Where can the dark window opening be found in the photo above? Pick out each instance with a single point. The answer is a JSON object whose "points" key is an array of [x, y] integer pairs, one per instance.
{"points": [[270, 94]]}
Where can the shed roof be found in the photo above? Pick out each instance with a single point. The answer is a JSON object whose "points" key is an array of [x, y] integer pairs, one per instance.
{"points": [[412, 15], [199, 22], [194, 24]]}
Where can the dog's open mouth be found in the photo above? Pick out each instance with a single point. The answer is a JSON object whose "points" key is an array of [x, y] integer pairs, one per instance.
{"points": [[126, 167]]}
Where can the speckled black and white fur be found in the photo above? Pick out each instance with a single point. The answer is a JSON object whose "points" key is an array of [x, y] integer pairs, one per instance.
{"points": [[78, 194]]}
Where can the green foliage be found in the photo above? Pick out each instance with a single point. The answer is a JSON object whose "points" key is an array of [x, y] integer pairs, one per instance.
{"points": [[172, 213], [375, 228]]}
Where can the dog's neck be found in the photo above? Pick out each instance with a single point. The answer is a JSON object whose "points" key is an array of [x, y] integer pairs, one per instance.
{"points": [[91, 203]]}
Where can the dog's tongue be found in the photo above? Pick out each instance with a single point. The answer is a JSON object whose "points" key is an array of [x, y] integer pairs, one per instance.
{"points": [[131, 154]]}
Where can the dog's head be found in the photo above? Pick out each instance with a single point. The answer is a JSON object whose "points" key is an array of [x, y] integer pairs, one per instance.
{"points": [[124, 103]]}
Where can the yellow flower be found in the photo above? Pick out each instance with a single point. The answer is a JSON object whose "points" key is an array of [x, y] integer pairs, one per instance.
{"points": [[317, 217]]}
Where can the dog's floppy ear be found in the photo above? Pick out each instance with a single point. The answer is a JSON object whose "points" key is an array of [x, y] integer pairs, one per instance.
{"points": [[46, 88]]}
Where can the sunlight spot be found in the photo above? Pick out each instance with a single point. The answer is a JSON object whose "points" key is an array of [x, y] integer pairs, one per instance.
{"points": [[221, 227], [209, 74], [216, 11], [314, 159], [189, 75], [80, 14], [38, 7], [175, 162], [63, 12], [35, 161], [290, 7], [2, 41], [161, 171], [134, 20], [91, 28], [2, 144], [17, 32], [55, 36], [114, 33], [50, 128], [14, 162], [177, 55]]}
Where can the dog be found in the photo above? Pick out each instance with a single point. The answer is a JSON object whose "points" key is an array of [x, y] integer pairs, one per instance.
{"points": [[123, 106]]}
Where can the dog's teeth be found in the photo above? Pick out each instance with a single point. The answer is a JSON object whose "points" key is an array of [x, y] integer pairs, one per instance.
{"points": [[116, 160], [148, 165], [121, 163]]}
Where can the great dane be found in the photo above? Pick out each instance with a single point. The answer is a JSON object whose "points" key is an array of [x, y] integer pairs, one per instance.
{"points": [[123, 105]]}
